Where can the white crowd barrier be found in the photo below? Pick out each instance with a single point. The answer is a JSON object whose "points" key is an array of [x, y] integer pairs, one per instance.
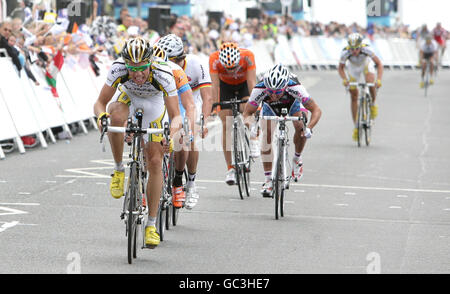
{"points": [[324, 53], [27, 109]]}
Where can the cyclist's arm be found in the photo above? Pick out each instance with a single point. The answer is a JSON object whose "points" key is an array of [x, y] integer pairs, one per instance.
{"points": [[173, 110], [249, 110], [341, 71], [187, 100], [379, 65], [316, 113], [215, 86], [104, 97], [251, 79], [207, 98]]}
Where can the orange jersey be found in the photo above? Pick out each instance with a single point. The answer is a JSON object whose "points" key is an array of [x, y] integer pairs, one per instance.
{"points": [[235, 77], [181, 79]]}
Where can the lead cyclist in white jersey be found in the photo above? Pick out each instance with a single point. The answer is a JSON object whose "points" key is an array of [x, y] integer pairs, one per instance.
{"points": [[137, 82], [361, 60], [200, 82]]}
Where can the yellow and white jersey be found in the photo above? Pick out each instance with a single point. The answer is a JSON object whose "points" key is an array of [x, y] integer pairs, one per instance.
{"points": [[357, 61], [159, 84]]}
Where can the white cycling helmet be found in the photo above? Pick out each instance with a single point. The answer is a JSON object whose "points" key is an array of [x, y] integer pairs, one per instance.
{"points": [[159, 52], [355, 40], [137, 50], [277, 77], [172, 45], [229, 55]]}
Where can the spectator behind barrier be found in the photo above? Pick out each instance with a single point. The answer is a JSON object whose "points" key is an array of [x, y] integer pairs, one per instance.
{"points": [[5, 33]]}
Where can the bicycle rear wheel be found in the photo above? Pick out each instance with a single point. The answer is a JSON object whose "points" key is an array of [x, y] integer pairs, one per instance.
{"points": [[173, 214], [427, 78], [238, 156], [161, 220]]}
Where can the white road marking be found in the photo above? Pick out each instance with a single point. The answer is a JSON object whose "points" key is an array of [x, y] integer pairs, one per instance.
{"points": [[341, 204], [77, 194], [349, 193], [11, 211], [395, 207], [348, 187], [402, 196], [299, 191], [9, 225], [50, 182], [23, 204], [24, 193]]}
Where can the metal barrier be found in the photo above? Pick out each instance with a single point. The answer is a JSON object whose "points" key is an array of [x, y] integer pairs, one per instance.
{"points": [[319, 52]]}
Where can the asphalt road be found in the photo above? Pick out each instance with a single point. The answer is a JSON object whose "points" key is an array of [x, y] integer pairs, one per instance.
{"points": [[378, 209]]}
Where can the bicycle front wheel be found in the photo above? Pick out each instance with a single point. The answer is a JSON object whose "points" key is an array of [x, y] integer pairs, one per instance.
{"points": [[132, 197], [367, 121], [278, 183], [247, 164], [360, 121]]}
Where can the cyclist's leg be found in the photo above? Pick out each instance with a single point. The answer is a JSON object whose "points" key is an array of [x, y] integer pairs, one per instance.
{"points": [[226, 116], [299, 140], [192, 162], [119, 110], [153, 156], [267, 127], [354, 74], [369, 73]]}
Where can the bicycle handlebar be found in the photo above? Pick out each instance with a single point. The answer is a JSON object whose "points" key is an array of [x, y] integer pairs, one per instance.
{"points": [[361, 84], [231, 102], [282, 118], [133, 130]]}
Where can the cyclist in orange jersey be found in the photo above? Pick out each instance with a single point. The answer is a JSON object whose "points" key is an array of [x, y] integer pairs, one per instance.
{"points": [[233, 74]]}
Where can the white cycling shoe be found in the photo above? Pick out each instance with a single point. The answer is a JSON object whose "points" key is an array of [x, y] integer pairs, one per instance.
{"points": [[192, 195], [297, 169], [230, 178], [266, 190], [255, 151]]}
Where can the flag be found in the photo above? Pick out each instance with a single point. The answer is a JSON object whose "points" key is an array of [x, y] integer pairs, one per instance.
{"points": [[52, 72]]}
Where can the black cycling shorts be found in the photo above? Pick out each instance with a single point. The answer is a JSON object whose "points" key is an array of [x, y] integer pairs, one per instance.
{"points": [[227, 92], [427, 55]]}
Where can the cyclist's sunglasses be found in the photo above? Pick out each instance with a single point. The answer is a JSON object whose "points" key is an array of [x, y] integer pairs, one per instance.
{"points": [[138, 68], [354, 48], [178, 58], [276, 92]]}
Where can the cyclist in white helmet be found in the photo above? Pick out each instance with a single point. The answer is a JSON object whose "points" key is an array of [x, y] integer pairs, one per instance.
{"points": [[358, 59], [187, 109], [281, 89], [136, 81], [200, 83]]}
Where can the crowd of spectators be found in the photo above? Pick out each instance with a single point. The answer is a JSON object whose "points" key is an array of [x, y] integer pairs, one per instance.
{"points": [[34, 34]]}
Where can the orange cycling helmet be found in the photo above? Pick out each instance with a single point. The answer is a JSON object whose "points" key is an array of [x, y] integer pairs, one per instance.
{"points": [[229, 55]]}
